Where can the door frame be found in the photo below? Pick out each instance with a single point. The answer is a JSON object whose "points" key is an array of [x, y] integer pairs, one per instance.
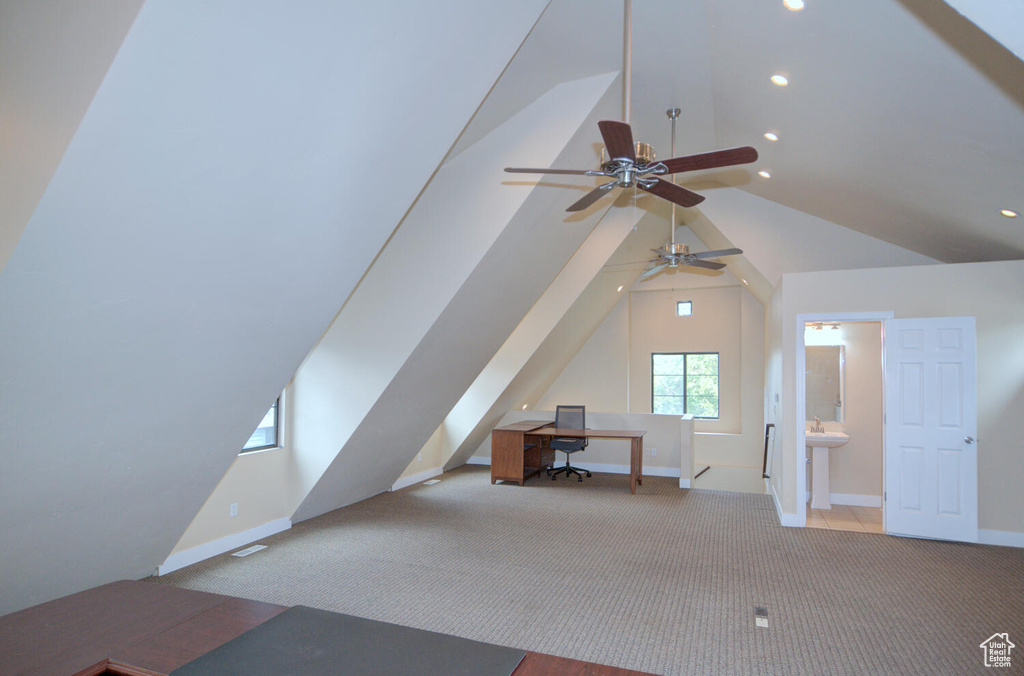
{"points": [[800, 384]]}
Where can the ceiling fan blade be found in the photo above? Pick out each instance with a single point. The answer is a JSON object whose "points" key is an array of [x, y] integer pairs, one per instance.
{"points": [[717, 253], [519, 170], [618, 139], [716, 158], [674, 193], [592, 196], [696, 262], [616, 265], [653, 271]]}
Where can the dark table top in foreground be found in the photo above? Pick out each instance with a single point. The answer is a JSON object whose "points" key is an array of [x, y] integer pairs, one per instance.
{"points": [[310, 641], [137, 628]]}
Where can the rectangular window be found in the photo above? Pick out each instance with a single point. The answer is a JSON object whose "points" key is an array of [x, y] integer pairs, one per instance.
{"points": [[265, 435], [685, 383]]}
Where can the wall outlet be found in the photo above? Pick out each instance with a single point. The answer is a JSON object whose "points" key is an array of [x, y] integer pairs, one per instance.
{"points": [[234, 509], [653, 452]]}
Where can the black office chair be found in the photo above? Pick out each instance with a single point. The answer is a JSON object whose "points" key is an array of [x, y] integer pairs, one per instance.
{"points": [[568, 418]]}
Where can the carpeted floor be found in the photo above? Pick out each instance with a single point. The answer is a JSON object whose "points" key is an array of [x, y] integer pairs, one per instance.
{"points": [[664, 581]]}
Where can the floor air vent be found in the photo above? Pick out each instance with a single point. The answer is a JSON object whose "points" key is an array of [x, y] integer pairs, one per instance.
{"points": [[249, 550]]}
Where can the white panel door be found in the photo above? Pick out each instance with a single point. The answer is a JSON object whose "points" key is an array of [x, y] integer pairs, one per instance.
{"points": [[931, 456]]}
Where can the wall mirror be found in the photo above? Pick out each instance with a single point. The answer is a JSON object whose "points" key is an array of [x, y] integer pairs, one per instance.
{"points": [[825, 379]]}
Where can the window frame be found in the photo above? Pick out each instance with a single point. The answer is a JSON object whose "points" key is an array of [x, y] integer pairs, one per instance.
{"points": [[276, 408], [685, 396]]}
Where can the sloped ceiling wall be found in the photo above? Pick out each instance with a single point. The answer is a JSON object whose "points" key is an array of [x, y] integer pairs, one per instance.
{"points": [[471, 313], [213, 211], [53, 56]]}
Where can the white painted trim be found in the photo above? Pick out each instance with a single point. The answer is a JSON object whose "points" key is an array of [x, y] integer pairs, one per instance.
{"points": [[417, 478], [855, 500], [225, 544], [788, 520], [684, 483], [599, 467], [1003, 538], [624, 469]]}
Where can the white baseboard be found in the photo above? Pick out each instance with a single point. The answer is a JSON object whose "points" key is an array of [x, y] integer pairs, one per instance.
{"points": [[854, 500], [416, 478], [684, 483], [221, 545], [1004, 538], [598, 467], [624, 469], [788, 520]]}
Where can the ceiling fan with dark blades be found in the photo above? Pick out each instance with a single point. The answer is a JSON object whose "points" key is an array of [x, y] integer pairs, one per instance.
{"points": [[674, 255], [633, 164]]}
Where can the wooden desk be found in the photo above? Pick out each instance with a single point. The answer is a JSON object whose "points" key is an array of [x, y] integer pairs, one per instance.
{"points": [[510, 462], [636, 446], [517, 454]]}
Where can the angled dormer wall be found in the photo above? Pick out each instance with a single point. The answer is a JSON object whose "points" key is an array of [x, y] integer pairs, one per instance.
{"points": [[466, 264], [236, 173]]}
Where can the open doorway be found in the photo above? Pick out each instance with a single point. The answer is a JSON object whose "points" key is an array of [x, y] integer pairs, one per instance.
{"points": [[841, 396]]}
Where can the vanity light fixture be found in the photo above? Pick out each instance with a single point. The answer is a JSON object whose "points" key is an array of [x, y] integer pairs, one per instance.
{"points": [[764, 174], [1009, 213], [780, 80], [771, 136], [793, 5]]}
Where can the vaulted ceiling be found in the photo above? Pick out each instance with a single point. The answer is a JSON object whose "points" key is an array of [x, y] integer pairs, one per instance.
{"points": [[194, 197]]}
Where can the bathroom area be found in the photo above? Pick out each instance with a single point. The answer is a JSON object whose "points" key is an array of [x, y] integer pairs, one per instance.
{"points": [[844, 432]]}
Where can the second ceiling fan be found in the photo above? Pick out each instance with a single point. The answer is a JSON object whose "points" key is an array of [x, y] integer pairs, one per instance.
{"points": [[633, 164]]}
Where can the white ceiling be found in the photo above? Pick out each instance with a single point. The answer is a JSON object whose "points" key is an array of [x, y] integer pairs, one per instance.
{"points": [[903, 120]]}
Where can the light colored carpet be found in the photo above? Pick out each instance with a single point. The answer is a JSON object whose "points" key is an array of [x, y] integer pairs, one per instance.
{"points": [[664, 581]]}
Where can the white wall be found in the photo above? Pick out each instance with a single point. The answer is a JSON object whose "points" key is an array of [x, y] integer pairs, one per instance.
{"points": [[613, 368], [992, 293], [53, 57], [598, 375], [207, 220]]}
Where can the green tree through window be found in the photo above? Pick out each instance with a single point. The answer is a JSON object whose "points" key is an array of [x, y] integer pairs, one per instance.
{"points": [[684, 383]]}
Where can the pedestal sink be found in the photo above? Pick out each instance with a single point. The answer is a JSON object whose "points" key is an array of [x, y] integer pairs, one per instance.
{"points": [[820, 443]]}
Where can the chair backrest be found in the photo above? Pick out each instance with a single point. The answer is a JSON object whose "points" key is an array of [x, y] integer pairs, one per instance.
{"points": [[570, 417]]}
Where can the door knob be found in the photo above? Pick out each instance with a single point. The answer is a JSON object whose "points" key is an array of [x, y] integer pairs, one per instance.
{"points": [[968, 440]]}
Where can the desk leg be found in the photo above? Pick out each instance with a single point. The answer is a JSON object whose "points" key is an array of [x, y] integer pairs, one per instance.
{"points": [[636, 463]]}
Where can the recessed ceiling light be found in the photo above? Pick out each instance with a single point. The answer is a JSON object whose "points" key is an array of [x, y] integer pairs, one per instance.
{"points": [[771, 136], [1009, 213], [780, 80], [619, 289], [764, 174], [793, 5]]}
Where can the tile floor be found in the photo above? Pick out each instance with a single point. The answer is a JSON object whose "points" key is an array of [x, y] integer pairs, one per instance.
{"points": [[846, 517]]}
